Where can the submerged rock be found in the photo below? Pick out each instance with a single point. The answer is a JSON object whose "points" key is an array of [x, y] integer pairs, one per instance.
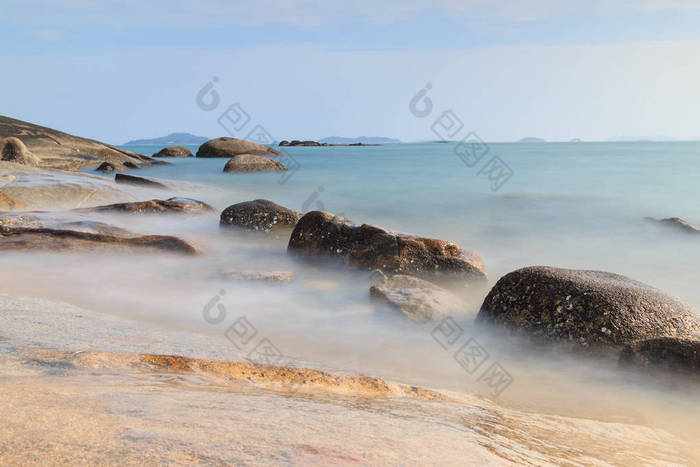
{"points": [[13, 150], [174, 151], [108, 167], [139, 181], [680, 225], [323, 235], [45, 239], [156, 206], [420, 300], [61, 223], [252, 163], [271, 276], [260, 215], [585, 308], [229, 147], [8, 203], [680, 356]]}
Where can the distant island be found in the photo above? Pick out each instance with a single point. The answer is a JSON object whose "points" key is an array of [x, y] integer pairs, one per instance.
{"points": [[170, 140], [531, 139], [359, 139]]}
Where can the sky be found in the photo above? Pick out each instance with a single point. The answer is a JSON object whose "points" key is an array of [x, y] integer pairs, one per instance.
{"points": [[116, 70]]}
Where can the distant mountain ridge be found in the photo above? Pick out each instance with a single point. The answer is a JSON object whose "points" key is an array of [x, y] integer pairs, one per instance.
{"points": [[359, 139], [531, 139], [171, 139]]}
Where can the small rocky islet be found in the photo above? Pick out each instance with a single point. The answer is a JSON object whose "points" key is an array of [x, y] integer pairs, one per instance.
{"points": [[592, 310]]}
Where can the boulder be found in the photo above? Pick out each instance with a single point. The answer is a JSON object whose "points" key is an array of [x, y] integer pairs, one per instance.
{"points": [[61, 223], [585, 308], [420, 300], [60, 150], [260, 215], [296, 142], [8, 203], [174, 151], [156, 206], [680, 356], [44, 239], [138, 181], [325, 236], [229, 147], [252, 163], [13, 150]]}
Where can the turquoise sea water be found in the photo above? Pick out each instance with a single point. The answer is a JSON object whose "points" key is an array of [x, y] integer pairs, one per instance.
{"points": [[576, 205]]}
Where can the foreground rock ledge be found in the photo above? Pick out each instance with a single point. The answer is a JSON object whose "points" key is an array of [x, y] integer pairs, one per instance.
{"points": [[273, 377], [44, 239], [585, 308], [323, 235]]}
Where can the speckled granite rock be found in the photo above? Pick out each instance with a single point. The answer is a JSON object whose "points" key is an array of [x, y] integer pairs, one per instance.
{"points": [[680, 356], [585, 308], [260, 215], [323, 235]]}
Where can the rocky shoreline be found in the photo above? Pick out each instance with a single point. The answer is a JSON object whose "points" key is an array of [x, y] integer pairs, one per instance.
{"points": [[583, 310]]}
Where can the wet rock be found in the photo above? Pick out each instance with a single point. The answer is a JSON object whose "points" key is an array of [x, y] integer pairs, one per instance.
{"points": [[680, 225], [13, 150], [669, 354], [8, 203], [271, 276], [260, 215], [585, 308], [63, 151], [138, 181], [108, 167], [420, 300], [229, 147], [252, 163], [320, 235], [174, 151], [61, 223], [43, 239], [156, 206]]}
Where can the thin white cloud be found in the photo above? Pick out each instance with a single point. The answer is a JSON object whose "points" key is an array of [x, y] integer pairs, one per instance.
{"points": [[308, 13]]}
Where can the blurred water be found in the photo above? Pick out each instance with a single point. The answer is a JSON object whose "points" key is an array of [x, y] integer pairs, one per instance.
{"points": [[578, 205]]}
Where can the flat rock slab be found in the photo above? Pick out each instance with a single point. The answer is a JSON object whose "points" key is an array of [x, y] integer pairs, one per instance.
{"points": [[138, 181], [585, 308], [271, 276], [322, 235], [156, 206], [420, 300], [43, 239]]}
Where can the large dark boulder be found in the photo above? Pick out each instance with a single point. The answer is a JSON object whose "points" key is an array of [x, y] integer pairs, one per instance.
{"points": [[13, 150], [252, 163], [260, 215], [155, 206], [585, 308], [421, 301], [680, 356], [173, 151], [229, 147], [323, 235]]}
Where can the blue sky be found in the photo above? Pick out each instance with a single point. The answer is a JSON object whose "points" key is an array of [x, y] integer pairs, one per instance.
{"points": [[121, 69]]}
